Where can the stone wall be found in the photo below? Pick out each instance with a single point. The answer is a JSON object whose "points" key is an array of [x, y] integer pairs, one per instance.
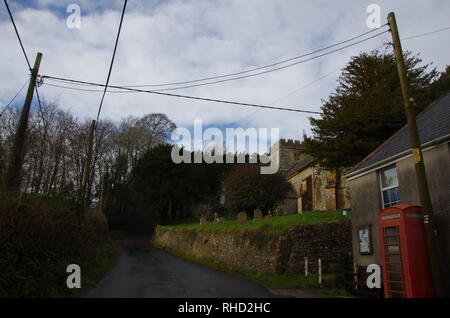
{"points": [[285, 151], [329, 242], [328, 190], [262, 251]]}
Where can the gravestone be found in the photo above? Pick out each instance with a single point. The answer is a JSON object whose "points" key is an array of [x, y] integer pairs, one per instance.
{"points": [[279, 211], [257, 215], [216, 217], [203, 220], [242, 218]]}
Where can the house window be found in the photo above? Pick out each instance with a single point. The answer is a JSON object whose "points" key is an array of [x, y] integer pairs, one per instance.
{"points": [[389, 187]]}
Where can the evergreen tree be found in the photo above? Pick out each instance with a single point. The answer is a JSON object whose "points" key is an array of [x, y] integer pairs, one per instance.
{"points": [[366, 108], [442, 85], [166, 191]]}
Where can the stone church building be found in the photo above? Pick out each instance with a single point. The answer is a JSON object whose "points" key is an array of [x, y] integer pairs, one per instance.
{"points": [[314, 188]]}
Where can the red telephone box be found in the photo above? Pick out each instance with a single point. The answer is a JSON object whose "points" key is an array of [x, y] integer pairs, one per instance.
{"points": [[403, 247]]}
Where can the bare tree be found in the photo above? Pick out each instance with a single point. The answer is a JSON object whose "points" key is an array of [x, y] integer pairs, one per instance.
{"points": [[56, 150]]}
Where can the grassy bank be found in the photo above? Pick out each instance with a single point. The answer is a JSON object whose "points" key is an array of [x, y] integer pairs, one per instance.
{"points": [[270, 280], [273, 224]]}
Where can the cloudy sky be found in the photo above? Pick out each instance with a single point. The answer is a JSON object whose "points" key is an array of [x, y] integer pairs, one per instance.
{"points": [[175, 41]]}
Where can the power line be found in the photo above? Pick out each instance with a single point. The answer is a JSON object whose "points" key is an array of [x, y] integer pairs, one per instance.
{"points": [[286, 96], [85, 89], [296, 90], [130, 89], [112, 60], [26, 58], [183, 96], [40, 108], [192, 97], [320, 78], [158, 91], [17, 34], [261, 67], [425, 34], [290, 94], [275, 69], [7, 106], [387, 42], [271, 70], [227, 75]]}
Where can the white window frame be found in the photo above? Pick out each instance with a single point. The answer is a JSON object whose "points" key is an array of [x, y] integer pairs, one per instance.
{"points": [[387, 188]]}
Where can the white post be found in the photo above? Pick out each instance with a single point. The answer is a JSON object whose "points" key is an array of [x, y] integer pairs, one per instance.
{"points": [[320, 272], [355, 275], [306, 266]]}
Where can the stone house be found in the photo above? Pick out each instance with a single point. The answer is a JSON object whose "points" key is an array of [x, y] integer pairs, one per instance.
{"points": [[386, 177], [314, 188]]}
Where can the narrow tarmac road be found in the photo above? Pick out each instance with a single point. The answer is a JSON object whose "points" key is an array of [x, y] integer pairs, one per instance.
{"points": [[142, 270]]}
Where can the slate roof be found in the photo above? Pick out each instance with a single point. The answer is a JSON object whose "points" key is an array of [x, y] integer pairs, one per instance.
{"points": [[298, 166], [433, 123]]}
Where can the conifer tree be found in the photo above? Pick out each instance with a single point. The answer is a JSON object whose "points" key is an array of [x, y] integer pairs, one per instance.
{"points": [[366, 108]]}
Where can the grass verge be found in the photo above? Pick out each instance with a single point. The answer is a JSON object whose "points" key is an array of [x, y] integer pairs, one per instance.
{"points": [[97, 268], [273, 224], [106, 256]]}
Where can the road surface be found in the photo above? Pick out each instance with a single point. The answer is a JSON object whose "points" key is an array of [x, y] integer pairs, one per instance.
{"points": [[145, 271]]}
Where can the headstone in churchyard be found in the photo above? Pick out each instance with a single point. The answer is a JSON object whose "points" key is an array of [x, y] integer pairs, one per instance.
{"points": [[279, 211], [203, 220], [216, 217], [257, 215], [242, 218]]}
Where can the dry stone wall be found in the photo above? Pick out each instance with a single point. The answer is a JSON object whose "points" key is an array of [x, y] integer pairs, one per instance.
{"points": [[263, 251]]}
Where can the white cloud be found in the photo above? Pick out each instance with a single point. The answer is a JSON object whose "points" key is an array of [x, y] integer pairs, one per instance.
{"points": [[182, 40]]}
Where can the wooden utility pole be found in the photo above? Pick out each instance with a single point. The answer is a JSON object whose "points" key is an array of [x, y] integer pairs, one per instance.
{"points": [[422, 185], [13, 175], [87, 168]]}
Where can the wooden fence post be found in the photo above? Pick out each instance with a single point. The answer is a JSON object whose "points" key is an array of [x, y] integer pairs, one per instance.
{"points": [[320, 272], [355, 275], [306, 266]]}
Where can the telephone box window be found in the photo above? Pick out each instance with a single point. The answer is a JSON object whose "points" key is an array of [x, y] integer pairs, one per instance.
{"points": [[394, 270], [389, 187]]}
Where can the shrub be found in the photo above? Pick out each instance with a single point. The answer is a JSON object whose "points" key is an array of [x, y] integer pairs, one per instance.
{"points": [[39, 238], [246, 189]]}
